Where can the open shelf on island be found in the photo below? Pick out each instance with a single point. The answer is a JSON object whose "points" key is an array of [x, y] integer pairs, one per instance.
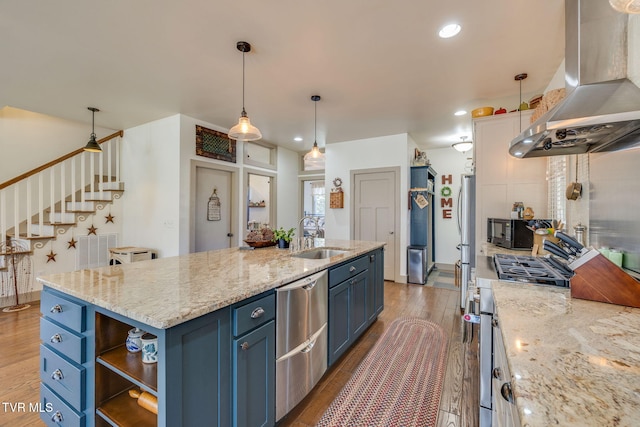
{"points": [[123, 410], [130, 364]]}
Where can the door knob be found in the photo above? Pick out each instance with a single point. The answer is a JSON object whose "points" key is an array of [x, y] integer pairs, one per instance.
{"points": [[229, 234]]}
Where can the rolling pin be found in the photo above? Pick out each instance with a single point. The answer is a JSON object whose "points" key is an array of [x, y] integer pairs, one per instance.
{"points": [[146, 400]]}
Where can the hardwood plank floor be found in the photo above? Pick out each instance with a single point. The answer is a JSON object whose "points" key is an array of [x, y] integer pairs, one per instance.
{"points": [[459, 401], [19, 356]]}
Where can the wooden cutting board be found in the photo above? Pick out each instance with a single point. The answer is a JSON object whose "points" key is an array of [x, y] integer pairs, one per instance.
{"points": [[598, 279]]}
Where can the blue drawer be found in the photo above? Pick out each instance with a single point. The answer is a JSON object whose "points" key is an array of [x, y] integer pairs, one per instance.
{"points": [[253, 314], [63, 340], [346, 271], [63, 310], [62, 376], [56, 412]]}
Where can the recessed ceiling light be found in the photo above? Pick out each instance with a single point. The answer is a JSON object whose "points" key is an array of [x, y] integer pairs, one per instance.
{"points": [[297, 139], [449, 30], [460, 113]]}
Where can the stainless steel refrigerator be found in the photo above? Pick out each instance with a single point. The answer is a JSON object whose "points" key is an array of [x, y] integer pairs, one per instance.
{"points": [[466, 214]]}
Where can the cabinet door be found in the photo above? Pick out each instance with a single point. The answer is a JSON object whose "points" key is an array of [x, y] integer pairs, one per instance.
{"points": [[254, 377], [358, 304], [339, 336]]}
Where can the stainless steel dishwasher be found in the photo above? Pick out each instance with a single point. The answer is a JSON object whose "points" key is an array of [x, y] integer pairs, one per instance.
{"points": [[301, 339]]}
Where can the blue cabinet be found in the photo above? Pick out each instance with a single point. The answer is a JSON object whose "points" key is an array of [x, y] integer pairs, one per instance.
{"points": [[356, 298], [422, 232], [254, 362], [65, 371]]}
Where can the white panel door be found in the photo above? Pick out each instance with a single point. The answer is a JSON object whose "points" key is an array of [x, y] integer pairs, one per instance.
{"points": [[212, 230], [375, 213]]}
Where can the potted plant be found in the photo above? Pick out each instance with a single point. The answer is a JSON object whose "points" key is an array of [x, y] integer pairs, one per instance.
{"points": [[283, 237]]}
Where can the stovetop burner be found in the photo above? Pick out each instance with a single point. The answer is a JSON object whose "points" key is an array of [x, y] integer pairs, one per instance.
{"points": [[522, 268]]}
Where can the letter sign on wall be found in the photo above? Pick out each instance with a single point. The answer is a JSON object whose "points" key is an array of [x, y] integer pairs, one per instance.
{"points": [[446, 201]]}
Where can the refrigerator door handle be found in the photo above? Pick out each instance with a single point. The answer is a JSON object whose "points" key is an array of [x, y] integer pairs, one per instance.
{"points": [[459, 210]]}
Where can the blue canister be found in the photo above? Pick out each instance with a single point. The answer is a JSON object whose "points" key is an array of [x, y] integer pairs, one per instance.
{"points": [[134, 340]]}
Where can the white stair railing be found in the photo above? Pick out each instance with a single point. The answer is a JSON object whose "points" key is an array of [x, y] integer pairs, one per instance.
{"points": [[52, 188]]}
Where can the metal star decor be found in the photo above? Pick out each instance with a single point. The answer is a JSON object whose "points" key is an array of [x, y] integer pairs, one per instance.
{"points": [[72, 243], [51, 256], [92, 230], [109, 218]]}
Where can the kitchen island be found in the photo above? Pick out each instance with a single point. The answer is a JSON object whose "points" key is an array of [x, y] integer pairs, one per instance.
{"points": [[572, 362], [196, 306]]}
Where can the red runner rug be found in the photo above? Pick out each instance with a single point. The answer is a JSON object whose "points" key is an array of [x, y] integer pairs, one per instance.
{"points": [[398, 383]]}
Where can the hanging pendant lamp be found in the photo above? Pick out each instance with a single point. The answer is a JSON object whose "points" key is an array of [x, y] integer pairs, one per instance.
{"points": [[315, 152], [244, 130], [93, 146]]}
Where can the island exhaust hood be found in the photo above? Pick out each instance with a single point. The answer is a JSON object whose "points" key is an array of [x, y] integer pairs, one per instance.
{"points": [[601, 111]]}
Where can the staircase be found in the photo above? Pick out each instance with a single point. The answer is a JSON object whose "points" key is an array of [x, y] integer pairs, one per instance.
{"points": [[45, 202]]}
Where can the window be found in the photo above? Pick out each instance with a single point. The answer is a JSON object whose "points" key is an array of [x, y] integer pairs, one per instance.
{"points": [[260, 154], [314, 201], [557, 184]]}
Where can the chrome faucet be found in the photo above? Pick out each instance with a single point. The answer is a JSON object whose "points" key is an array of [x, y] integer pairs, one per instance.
{"points": [[307, 242]]}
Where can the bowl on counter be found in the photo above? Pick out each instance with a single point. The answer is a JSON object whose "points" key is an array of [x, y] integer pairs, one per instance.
{"points": [[481, 112]]}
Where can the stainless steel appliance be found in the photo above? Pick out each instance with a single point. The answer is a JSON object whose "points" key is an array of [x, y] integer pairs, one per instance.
{"points": [[515, 268], [510, 233], [301, 339], [601, 111], [417, 268], [466, 213]]}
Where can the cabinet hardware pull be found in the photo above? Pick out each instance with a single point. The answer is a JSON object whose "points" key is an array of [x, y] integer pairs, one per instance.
{"points": [[56, 338], [308, 348], [310, 285], [258, 312], [57, 417], [56, 309], [506, 392], [352, 269], [244, 345], [57, 375], [496, 373]]}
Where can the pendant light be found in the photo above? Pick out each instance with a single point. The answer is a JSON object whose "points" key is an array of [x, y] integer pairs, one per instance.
{"points": [[92, 145], [244, 130], [315, 152], [626, 6], [463, 146], [523, 106]]}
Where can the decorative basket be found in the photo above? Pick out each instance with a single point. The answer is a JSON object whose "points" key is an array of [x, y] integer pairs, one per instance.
{"points": [[336, 200]]}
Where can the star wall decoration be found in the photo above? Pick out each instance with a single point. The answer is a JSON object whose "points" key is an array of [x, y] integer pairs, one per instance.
{"points": [[72, 243], [92, 230], [109, 218], [51, 256]]}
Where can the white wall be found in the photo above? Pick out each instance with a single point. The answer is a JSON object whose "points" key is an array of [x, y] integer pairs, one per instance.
{"points": [[343, 157], [151, 175], [447, 161], [29, 140], [288, 189]]}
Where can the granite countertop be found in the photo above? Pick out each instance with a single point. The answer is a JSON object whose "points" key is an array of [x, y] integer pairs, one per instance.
{"points": [[168, 291], [573, 362]]}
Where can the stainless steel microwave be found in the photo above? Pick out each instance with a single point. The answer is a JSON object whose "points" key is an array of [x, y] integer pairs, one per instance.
{"points": [[509, 233]]}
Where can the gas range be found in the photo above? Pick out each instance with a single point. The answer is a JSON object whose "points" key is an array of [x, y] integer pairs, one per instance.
{"points": [[530, 269]]}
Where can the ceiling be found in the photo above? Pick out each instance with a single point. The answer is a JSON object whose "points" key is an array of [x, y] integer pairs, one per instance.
{"points": [[379, 65]]}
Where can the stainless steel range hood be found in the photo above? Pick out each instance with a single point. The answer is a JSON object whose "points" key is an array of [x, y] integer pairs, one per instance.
{"points": [[601, 111]]}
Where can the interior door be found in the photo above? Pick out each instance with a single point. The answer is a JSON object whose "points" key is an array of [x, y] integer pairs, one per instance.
{"points": [[213, 209], [375, 213]]}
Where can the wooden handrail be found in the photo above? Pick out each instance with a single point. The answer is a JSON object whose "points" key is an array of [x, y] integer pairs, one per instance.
{"points": [[56, 161]]}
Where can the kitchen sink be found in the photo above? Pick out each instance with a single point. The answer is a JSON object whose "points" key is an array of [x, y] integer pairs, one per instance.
{"points": [[320, 253]]}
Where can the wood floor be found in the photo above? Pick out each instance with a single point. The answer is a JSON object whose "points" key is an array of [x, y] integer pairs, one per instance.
{"points": [[19, 355]]}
